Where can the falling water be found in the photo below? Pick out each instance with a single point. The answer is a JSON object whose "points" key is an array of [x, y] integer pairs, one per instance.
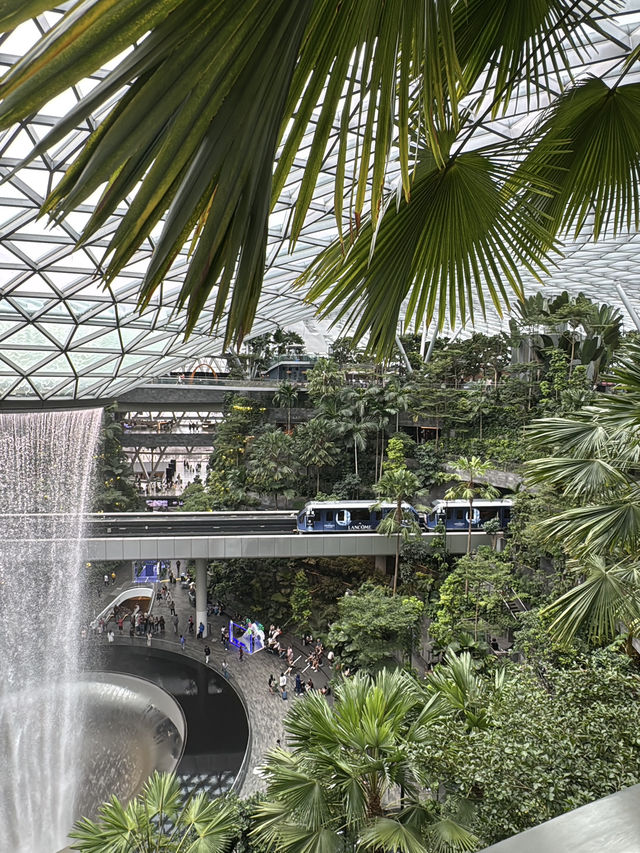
{"points": [[46, 462]]}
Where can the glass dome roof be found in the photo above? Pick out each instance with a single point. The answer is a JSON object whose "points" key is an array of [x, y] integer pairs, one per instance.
{"points": [[63, 335]]}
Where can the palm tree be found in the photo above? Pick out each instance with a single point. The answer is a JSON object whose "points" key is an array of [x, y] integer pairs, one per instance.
{"points": [[325, 380], [286, 395], [202, 121], [316, 446], [159, 820], [396, 486], [594, 460], [272, 464], [355, 427], [351, 781], [468, 472], [480, 404]]}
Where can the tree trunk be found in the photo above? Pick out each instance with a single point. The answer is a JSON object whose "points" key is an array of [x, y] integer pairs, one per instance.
{"points": [[317, 479], [466, 579], [395, 572], [475, 623], [398, 520], [355, 458]]}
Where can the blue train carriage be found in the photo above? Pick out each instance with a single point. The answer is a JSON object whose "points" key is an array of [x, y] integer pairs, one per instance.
{"points": [[455, 514], [344, 516]]}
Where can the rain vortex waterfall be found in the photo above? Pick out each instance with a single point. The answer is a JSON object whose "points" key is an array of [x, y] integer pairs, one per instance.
{"points": [[46, 462]]}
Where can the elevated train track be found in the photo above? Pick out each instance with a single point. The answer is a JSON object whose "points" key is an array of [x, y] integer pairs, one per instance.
{"points": [[211, 535]]}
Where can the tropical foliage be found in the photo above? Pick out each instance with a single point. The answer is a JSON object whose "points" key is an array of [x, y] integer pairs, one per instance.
{"points": [[159, 819], [372, 626], [205, 117], [349, 782], [470, 474], [556, 739], [594, 465], [115, 491], [397, 485]]}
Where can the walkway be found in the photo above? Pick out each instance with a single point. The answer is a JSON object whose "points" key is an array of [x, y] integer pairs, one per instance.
{"points": [[250, 677]]}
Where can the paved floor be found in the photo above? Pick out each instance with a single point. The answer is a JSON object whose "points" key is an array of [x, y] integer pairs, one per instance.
{"points": [[249, 677]]}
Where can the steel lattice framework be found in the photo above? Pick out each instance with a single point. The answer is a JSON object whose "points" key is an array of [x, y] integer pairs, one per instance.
{"points": [[64, 336]]}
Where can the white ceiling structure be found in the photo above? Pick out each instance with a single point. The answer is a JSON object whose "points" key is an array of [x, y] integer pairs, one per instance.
{"points": [[64, 336]]}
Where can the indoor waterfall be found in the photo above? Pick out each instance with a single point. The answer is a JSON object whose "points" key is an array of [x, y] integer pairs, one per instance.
{"points": [[46, 465]]}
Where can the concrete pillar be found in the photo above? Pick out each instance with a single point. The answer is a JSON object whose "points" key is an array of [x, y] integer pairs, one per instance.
{"points": [[201, 593], [381, 564]]}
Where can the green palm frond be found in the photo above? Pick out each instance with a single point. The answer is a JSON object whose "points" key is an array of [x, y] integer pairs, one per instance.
{"points": [[579, 478], [213, 823], [463, 235], [161, 795], [627, 373], [594, 131], [532, 41], [605, 528], [205, 97], [608, 595], [388, 834], [583, 434], [213, 96], [13, 13], [447, 836], [303, 794], [274, 828], [117, 829]]}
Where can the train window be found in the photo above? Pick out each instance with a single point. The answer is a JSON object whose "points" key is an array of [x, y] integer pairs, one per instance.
{"points": [[328, 515], [459, 514], [360, 515]]}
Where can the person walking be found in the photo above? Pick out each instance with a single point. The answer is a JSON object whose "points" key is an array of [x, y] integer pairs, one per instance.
{"points": [[283, 685], [225, 669], [175, 623], [207, 653], [182, 641], [110, 636], [149, 636], [172, 607], [113, 578], [298, 687], [201, 630], [272, 684], [240, 652]]}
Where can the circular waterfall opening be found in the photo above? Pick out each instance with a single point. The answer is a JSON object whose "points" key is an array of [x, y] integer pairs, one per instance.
{"points": [[128, 728]]}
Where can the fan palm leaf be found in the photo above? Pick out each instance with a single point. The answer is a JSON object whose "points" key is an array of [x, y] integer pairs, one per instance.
{"points": [[604, 528], [213, 824], [388, 834], [583, 434], [585, 478], [463, 235], [212, 95], [594, 132], [608, 595]]}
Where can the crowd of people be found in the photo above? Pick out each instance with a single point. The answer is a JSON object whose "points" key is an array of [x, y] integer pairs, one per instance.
{"points": [[299, 666]]}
